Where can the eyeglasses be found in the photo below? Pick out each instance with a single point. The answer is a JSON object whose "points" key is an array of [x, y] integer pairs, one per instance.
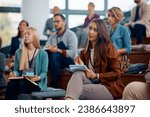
{"points": [[94, 29], [56, 21]]}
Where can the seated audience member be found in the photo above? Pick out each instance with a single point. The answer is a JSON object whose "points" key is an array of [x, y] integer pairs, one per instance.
{"points": [[120, 36], [82, 33], [139, 23], [49, 25], [101, 80], [2, 68], [17, 41], [28, 61], [138, 90], [61, 47]]}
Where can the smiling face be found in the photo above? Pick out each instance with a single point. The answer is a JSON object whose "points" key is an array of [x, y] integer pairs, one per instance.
{"points": [[93, 32]]}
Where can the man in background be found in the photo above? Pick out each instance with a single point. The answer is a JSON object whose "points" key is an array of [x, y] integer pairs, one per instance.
{"points": [[61, 48], [139, 23], [49, 26]]}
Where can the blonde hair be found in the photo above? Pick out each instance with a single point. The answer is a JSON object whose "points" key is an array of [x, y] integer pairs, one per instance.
{"points": [[24, 50], [118, 14]]}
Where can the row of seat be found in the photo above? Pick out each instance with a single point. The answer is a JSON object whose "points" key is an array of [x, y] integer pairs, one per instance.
{"points": [[135, 57]]}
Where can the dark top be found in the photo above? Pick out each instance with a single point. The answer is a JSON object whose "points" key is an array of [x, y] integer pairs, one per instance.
{"points": [[87, 20], [14, 45], [2, 65]]}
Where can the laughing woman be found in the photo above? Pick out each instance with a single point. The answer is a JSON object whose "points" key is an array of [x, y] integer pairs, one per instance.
{"points": [[101, 80], [28, 61]]}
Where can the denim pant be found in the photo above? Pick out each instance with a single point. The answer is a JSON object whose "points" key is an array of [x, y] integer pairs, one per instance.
{"points": [[138, 31], [19, 86], [57, 62]]}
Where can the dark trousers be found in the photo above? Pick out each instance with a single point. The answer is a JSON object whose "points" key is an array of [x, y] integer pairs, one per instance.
{"points": [[138, 31], [19, 86], [56, 63]]}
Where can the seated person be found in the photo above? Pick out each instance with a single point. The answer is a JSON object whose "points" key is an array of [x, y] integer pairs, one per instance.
{"points": [[100, 81], [139, 23], [49, 25], [2, 68], [61, 47], [17, 41], [28, 60], [82, 33], [120, 36]]}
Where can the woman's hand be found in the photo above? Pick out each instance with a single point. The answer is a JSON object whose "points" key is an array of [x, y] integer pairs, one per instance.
{"points": [[77, 60], [34, 78], [90, 74]]}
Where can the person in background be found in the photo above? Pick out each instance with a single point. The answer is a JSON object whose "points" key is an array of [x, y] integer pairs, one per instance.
{"points": [[17, 41], [61, 47], [2, 68], [28, 62], [120, 36], [49, 25], [82, 33], [100, 81], [139, 23], [138, 90]]}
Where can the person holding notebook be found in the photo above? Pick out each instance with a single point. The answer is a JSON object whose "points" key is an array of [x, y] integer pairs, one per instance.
{"points": [[61, 48], [28, 62], [101, 80]]}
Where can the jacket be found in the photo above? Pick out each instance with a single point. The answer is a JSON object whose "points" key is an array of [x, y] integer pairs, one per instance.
{"points": [[108, 69]]}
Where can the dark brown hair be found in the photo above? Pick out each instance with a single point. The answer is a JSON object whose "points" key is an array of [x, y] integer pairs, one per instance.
{"points": [[19, 33], [103, 38]]}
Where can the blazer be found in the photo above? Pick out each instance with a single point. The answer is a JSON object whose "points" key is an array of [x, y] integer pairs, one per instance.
{"points": [[14, 45], [144, 15], [107, 68]]}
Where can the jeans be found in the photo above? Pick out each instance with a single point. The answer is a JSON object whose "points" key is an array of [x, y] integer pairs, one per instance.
{"points": [[19, 86], [138, 31], [57, 62]]}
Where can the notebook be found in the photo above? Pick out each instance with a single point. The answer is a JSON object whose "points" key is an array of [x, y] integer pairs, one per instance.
{"points": [[25, 77], [75, 68]]}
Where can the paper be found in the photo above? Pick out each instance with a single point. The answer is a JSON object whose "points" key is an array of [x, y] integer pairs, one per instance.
{"points": [[25, 77], [31, 81], [75, 68], [11, 78]]}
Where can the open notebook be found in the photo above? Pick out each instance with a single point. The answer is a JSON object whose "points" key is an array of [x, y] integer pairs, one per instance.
{"points": [[75, 68], [25, 77]]}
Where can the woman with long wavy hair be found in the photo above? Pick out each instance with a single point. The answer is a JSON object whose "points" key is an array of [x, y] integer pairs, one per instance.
{"points": [[100, 80]]}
